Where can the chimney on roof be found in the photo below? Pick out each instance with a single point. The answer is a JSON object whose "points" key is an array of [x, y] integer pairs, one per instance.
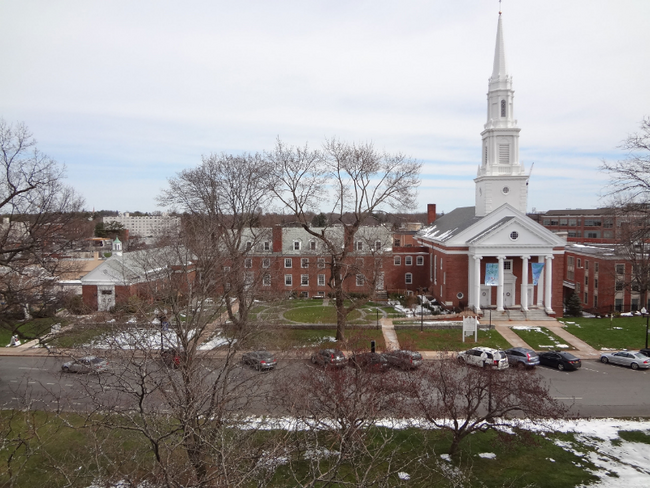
{"points": [[431, 213]]}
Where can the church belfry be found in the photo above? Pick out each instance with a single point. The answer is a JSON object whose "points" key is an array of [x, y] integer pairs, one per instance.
{"points": [[500, 178]]}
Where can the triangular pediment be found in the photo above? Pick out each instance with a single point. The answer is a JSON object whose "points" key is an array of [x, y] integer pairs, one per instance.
{"points": [[496, 230]]}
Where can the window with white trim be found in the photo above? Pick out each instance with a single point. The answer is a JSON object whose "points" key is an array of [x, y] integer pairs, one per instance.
{"points": [[321, 280], [359, 245], [288, 280], [419, 260], [288, 263], [304, 280], [266, 263], [248, 263], [312, 245], [249, 245], [267, 246], [360, 280], [296, 245], [408, 278], [320, 262], [377, 245], [266, 279], [408, 260], [304, 263], [397, 260]]}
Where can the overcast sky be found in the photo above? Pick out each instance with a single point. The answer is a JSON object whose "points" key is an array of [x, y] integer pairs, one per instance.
{"points": [[128, 93]]}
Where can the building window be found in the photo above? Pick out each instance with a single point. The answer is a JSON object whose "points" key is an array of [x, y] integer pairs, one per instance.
{"points": [[304, 280], [360, 280], [579, 263], [267, 246], [288, 263], [296, 245], [304, 263], [266, 263], [321, 280], [226, 269], [578, 289], [620, 269], [595, 267], [592, 223], [377, 245], [408, 260], [619, 286], [248, 263], [586, 298], [563, 222], [592, 235], [514, 235], [419, 260], [408, 278], [288, 280], [359, 245], [312, 245], [586, 264], [503, 108], [595, 283], [266, 279], [595, 301], [572, 222], [320, 262], [586, 281], [249, 245], [398, 243], [618, 304], [397, 260]]}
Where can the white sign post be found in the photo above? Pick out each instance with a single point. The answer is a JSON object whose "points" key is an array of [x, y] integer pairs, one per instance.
{"points": [[470, 325]]}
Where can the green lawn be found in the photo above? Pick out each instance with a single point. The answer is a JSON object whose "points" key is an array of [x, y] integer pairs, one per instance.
{"points": [[619, 333], [32, 329], [447, 339], [61, 451], [541, 339], [79, 335], [279, 338]]}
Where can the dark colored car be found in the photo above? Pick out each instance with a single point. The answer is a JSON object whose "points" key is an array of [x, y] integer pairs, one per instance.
{"points": [[560, 360], [371, 361], [89, 364], [645, 352], [404, 359], [329, 357], [260, 360], [171, 358], [521, 357]]}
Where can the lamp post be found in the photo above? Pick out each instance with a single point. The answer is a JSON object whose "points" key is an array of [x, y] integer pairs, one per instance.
{"points": [[647, 317], [377, 318], [421, 312]]}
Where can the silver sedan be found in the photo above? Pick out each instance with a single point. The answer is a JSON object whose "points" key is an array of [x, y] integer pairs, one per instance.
{"points": [[634, 360]]}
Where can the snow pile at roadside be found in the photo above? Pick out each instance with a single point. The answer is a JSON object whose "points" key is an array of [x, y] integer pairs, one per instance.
{"points": [[137, 338]]}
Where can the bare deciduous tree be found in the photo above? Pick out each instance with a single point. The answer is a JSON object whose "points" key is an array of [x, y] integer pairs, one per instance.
{"points": [[351, 182], [463, 400], [40, 219]]}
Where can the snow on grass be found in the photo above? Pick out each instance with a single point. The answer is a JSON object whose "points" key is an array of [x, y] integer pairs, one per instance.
{"points": [[487, 455], [217, 340], [403, 476], [546, 332], [137, 338]]}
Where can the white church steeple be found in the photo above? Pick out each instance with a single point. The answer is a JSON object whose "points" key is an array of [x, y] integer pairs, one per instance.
{"points": [[501, 178]]}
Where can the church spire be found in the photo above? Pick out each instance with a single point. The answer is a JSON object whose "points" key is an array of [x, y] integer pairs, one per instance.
{"points": [[500, 70]]}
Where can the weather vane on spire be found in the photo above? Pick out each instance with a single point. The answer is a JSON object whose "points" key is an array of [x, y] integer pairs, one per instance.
{"points": [[499, 7]]}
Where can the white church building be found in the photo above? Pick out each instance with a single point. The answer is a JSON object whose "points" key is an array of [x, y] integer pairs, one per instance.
{"points": [[492, 256]]}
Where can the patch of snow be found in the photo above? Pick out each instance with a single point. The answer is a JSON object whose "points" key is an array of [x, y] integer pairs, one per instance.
{"points": [[217, 341], [562, 346], [551, 459], [445, 457], [137, 338], [403, 476], [617, 328], [607, 349], [487, 455]]}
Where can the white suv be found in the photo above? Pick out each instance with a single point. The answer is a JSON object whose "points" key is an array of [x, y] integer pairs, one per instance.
{"points": [[484, 357]]}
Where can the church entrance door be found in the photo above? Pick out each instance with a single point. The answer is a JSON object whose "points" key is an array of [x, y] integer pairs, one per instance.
{"points": [[508, 294]]}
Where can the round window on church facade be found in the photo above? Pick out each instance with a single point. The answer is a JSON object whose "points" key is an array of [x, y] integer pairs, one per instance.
{"points": [[514, 235], [460, 295], [505, 190]]}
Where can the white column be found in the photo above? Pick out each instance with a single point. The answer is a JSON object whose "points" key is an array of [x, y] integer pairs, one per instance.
{"points": [[548, 283], [477, 282], [540, 285], [524, 282], [500, 285]]}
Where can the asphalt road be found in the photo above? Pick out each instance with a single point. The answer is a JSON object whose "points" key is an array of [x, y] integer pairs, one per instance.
{"points": [[596, 390]]}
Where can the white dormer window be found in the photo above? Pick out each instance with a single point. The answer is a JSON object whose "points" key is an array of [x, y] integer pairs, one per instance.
{"points": [[267, 246], [296, 245], [359, 245], [377, 245], [249, 244], [312, 245]]}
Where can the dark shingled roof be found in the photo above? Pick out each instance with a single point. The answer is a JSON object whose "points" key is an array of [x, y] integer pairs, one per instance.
{"points": [[450, 224]]}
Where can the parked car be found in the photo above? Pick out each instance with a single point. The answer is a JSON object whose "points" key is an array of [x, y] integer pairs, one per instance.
{"points": [[89, 364], [521, 357], [645, 352], [484, 357], [371, 361], [560, 359], [404, 359], [634, 360], [260, 360], [329, 357], [171, 357]]}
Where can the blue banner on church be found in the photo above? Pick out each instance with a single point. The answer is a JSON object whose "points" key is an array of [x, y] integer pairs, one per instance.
{"points": [[491, 274], [537, 271]]}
